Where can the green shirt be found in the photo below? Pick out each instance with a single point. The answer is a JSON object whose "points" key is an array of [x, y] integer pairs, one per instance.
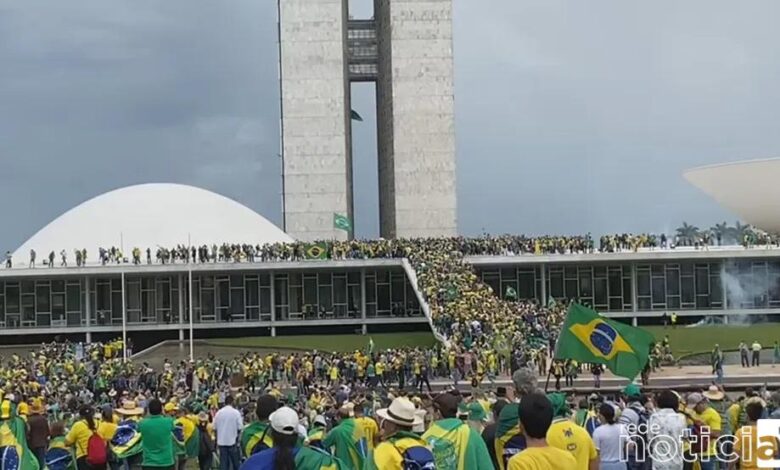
{"points": [[157, 441]]}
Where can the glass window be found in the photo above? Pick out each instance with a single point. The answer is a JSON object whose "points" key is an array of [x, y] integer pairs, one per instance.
{"points": [[686, 289], [643, 284], [599, 271], [73, 296], [280, 291], [383, 297], [673, 281], [615, 283], [600, 291], [571, 288], [265, 300], [252, 293], [370, 290], [702, 280], [340, 290], [326, 297], [223, 294], [659, 291], [28, 287], [237, 302], [310, 290], [716, 290], [295, 279], [207, 305], [627, 293], [508, 274], [556, 285], [526, 285], [353, 277], [58, 286], [133, 295], [324, 279], [43, 301], [163, 295], [397, 289]]}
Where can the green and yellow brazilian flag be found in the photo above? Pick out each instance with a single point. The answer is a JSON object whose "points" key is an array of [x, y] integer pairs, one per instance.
{"points": [[588, 337], [316, 250]]}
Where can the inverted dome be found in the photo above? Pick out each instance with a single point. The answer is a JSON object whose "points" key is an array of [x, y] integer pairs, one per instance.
{"points": [[148, 216], [750, 189]]}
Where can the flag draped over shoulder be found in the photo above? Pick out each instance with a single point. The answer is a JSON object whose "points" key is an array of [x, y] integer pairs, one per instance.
{"points": [[348, 443], [252, 437], [456, 447], [14, 453], [310, 457], [58, 456], [586, 336], [127, 440], [509, 437]]}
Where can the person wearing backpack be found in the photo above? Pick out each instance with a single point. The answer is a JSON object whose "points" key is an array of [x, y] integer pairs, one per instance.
{"points": [[400, 448], [455, 445], [91, 448]]}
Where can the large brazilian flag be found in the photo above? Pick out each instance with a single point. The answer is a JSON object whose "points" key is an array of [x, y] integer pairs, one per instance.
{"points": [[588, 337], [14, 453], [127, 440], [317, 250], [255, 438]]}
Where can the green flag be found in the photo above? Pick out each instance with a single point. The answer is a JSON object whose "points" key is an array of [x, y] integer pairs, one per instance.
{"points": [[370, 345], [355, 116], [13, 434], [586, 336], [511, 293], [316, 250], [342, 222]]}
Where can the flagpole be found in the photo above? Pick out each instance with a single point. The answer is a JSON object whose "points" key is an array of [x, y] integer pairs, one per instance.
{"points": [[189, 273]]}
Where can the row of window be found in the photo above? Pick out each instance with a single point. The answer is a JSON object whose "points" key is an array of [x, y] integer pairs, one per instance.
{"points": [[215, 298]]}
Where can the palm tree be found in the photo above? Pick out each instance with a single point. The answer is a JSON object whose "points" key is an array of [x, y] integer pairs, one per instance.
{"points": [[740, 230], [688, 234], [721, 231]]}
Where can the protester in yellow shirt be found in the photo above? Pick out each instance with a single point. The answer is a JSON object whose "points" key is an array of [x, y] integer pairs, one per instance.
{"points": [[368, 425], [79, 434], [564, 434], [397, 436], [709, 417], [746, 443], [536, 415]]}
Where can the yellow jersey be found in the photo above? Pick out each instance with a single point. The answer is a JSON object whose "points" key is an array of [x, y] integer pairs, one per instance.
{"points": [[370, 430], [748, 458], [542, 458], [565, 435], [712, 420]]}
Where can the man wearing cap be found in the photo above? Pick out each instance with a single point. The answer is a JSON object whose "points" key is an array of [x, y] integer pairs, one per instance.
{"points": [[38, 430], [701, 413], [455, 445], [509, 434], [564, 434], [635, 417], [346, 440], [317, 432], [287, 447], [397, 437]]}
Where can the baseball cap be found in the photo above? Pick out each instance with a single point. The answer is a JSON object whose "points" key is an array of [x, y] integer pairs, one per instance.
{"points": [[285, 421], [695, 398]]}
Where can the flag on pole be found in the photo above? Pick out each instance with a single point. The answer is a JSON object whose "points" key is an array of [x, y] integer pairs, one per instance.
{"points": [[370, 345], [511, 293], [342, 222], [355, 116], [588, 337]]}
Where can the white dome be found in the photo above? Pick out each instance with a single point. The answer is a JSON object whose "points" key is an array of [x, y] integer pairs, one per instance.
{"points": [[148, 216], [749, 189]]}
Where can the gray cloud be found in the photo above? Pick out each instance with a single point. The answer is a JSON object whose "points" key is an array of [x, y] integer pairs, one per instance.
{"points": [[571, 116]]}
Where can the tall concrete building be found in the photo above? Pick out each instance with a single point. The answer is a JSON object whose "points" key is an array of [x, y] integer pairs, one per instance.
{"points": [[406, 49]]}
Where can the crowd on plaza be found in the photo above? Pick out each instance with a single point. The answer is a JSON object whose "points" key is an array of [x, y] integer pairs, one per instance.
{"points": [[83, 406]]}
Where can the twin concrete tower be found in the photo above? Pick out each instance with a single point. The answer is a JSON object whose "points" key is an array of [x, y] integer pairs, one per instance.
{"points": [[406, 49]]}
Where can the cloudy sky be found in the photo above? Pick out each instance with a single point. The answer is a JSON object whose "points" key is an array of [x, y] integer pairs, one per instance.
{"points": [[571, 116]]}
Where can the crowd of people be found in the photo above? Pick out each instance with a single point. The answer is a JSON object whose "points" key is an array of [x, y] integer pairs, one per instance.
{"points": [[505, 245], [83, 406]]}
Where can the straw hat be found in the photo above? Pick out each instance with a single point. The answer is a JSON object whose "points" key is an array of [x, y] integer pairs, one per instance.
{"points": [[130, 408], [402, 412], [714, 393]]}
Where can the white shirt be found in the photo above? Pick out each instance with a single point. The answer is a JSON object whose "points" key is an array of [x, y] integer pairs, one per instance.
{"points": [[610, 440], [228, 424], [665, 429]]}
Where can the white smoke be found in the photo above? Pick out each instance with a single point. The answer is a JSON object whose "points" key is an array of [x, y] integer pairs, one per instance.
{"points": [[742, 289]]}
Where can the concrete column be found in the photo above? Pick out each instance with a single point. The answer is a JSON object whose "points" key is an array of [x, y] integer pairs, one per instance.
{"points": [[724, 291], [87, 305], [634, 321], [544, 284], [634, 301], [181, 308], [89, 337], [364, 327], [273, 305]]}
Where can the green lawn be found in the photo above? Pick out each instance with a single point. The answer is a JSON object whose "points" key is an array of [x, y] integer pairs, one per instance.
{"points": [[702, 339], [340, 343]]}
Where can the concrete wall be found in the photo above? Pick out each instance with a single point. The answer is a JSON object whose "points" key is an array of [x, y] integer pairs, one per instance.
{"points": [[416, 118], [315, 117]]}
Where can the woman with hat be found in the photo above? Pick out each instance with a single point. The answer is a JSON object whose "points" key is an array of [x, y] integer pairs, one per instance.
{"points": [[399, 443], [287, 452]]}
